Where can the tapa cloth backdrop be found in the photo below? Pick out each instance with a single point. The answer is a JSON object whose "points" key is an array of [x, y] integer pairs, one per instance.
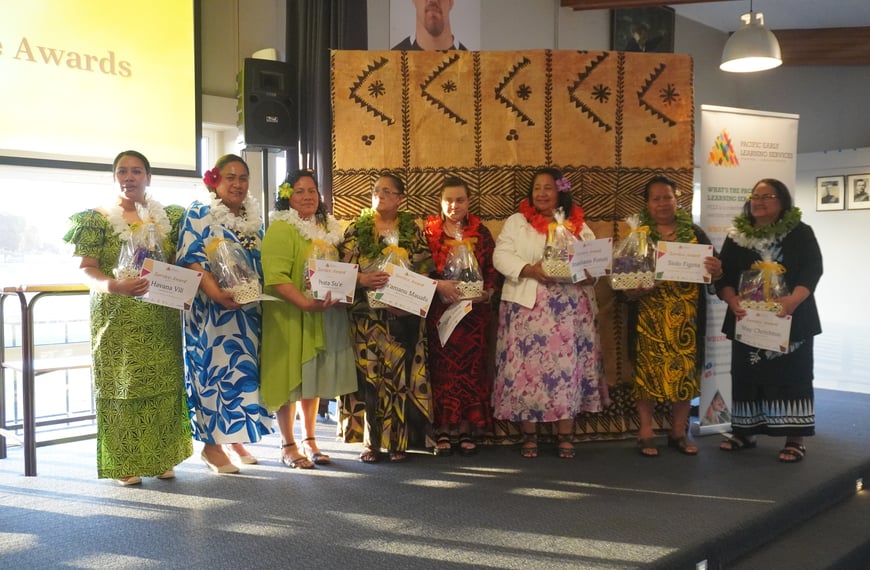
{"points": [[608, 120]]}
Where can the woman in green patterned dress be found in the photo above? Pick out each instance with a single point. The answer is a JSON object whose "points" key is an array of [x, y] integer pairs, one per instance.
{"points": [[667, 326], [143, 428]]}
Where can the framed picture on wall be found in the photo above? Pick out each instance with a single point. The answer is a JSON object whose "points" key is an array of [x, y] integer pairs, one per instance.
{"points": [[643, 30], [830, 193], [858, 191]]}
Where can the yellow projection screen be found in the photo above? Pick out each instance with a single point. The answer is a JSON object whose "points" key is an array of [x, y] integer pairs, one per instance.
{"points": [[81, 80]]}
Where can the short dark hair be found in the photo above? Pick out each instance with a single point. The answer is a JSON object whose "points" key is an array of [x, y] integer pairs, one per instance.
{"points": [[564, 198], [782, 194], [134, 154], [293, 178], [454, 182], [400, 186], [658, 180]]}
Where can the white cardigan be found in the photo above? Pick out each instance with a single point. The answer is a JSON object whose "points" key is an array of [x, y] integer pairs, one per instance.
{"points": [[517, 245]]}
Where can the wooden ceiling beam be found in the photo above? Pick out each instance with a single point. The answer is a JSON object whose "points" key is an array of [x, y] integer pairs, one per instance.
{"points": [[614, 4], [824, 46]]}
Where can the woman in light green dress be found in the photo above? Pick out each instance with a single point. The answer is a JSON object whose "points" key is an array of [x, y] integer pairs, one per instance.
{"points": [[306, 351], [142, 416]]}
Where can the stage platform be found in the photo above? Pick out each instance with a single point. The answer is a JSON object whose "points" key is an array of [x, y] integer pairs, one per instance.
{"points": [[607, 508]]}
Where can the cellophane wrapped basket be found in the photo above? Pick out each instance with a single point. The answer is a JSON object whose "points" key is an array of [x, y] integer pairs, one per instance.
{"points": [[233, 271], [462, 266], [634, 258], [391, 254], [760, 286], [557, 252]]}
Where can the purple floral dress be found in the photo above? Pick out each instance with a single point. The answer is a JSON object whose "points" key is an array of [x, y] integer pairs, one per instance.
{"points": [[548, 357]]}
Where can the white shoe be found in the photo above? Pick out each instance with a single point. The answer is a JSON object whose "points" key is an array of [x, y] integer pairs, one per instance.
{"points": [[170, 474], [223, 469], [246, 459]]}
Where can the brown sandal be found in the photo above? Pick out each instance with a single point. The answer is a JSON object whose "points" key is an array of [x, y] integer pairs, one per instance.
{"points": [[369, 455], [646, 446], [298, 463], [683, 444]]}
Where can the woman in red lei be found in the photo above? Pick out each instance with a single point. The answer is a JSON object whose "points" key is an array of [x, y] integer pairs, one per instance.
{"points": [[458, 372], [548, 356]]}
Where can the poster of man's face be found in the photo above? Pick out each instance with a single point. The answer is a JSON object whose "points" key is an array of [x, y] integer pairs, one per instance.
{"points": [[443, 23]]}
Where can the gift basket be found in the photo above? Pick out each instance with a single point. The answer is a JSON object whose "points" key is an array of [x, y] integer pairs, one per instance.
{"points": [[634, 258], [462, 266], [230, 266], [320, 250], [143, 243], [557, 252], [762, 284], [392, 254]]}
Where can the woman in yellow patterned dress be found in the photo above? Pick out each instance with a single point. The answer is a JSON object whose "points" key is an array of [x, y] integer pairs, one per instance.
{"points": [[667, 326]]}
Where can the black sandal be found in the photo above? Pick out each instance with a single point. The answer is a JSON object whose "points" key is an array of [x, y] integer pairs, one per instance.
{"points": [[683, 444], [646, 446], [530, 451], [470, 447], [443, 438], [736, 442], [794, 451], [566, 452], [369, 455], [315, 456], [298, 463]]}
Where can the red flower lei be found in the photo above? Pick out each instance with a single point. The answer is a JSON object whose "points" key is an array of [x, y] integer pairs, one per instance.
{"points": [[542, 224], [435, 231]]}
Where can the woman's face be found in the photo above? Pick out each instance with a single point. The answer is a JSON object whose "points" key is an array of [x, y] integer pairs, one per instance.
{"points": [[132, 177], [764, 204], [545, 196], [386, 196], [233, 187], [305, 198], [454, 203], [661, 203]]}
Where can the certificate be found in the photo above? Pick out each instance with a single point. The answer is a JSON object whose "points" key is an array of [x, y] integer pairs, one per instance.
{"points": [[332, 277], [170, 285], [684, 262], [406, 290], [594, 256], [450, 318], [763, 329]]}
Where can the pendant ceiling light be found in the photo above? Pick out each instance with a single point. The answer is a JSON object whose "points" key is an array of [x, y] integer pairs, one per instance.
{"points": [[751, 48]]}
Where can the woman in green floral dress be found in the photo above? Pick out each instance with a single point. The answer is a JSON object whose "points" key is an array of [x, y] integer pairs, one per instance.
{"points": [[142, 415]]}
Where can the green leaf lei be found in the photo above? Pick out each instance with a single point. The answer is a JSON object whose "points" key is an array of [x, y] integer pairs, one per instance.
{"points": [[746, 235], [370, 243], [684, 228]]}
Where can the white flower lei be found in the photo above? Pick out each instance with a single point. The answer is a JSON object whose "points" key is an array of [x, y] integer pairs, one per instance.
{"points": [[156, 216], [310, 229], [246, 226]]}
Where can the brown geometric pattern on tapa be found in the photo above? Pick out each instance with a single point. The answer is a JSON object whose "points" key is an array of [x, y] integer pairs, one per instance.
{"points": [[608, 120]]}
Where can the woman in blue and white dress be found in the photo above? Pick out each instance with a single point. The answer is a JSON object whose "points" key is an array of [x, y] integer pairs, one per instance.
{"points": [[221, 336]]}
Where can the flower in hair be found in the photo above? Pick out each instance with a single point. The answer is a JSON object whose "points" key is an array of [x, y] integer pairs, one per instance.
{"points": [[285, 190], [212, 178], [562, 185]]}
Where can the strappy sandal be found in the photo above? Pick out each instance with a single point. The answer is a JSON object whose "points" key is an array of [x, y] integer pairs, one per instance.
{"points": [[566, 452], [646, 446], [298, 463], [683, 444], [467, 447], [398, 456], [529, 450], [736, 442], [315, 456], [369, 455], [794, 451], [443, 445]]}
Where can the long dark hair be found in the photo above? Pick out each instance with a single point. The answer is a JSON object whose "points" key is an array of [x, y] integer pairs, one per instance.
{"points": [[564, 199], [782, 194], [293, 178]]}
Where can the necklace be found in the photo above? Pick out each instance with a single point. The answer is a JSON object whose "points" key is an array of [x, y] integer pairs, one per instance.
{"points": [[155, 215], [246, 226], [309, 229], [368, 239], [435, 231], [683, 230], [746, 235], [542, 225]]}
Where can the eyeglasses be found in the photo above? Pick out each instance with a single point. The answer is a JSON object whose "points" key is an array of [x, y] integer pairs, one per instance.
{"points": [[763, 197], [381, 192]]}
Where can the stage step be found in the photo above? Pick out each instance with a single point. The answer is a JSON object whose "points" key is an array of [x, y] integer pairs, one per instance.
{"points": [[835, 539]]}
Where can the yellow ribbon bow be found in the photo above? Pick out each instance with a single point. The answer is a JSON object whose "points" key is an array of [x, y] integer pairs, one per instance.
{"points": [[768, 269], [399, 252], [213, 244], [321, 249], [467, 242], [644, 238]]}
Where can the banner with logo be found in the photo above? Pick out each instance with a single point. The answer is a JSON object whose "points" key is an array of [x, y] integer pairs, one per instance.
{"points": [[742, 147]]}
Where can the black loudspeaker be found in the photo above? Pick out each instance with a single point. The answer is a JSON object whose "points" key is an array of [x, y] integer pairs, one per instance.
{"points": [[266, 105]]}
